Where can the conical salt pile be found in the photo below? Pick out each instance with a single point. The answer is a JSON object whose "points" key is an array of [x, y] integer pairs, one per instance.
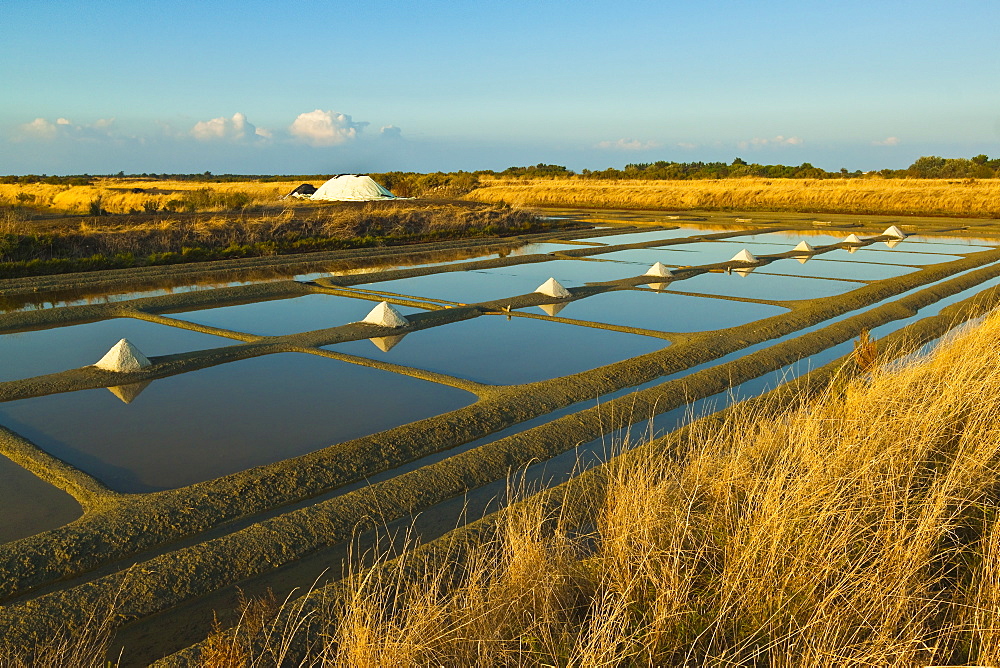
{"points": [[805, 247], [852, 239], [894, 231], [123, 357], [552, 288], [386, 343], [128, 393], [552, 309], [386, 315], [659, 270], [745, 256]]}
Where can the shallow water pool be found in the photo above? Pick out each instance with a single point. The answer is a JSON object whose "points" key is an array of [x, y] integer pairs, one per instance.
{"points": [[203, 424], [44, 351], [31, 505]]}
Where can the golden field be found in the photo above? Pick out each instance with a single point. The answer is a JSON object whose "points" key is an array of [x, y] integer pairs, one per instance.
{"points": [[116, 196], [859, 527], [969, 197]]}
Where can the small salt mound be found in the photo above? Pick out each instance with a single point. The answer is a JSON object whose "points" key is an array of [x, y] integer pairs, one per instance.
{"points": [[805, 246], [745, 256], [386, 315], [123, 357], [852, 239], [552, 288], [894, 231], [659, 270]]}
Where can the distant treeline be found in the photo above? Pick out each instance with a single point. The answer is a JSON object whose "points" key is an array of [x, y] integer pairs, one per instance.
{"points": [[414, 184]]}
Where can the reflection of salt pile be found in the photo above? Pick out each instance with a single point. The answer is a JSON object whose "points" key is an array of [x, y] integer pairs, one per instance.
{"points": [[892, 243], [123, 357], [128, 393], [385, 315], [744, 272], [659, 270], [552, 309], [386, 343], [852, 239], [894, 231], [745, 256], [552, 288], [659, 287], [805, 250]]}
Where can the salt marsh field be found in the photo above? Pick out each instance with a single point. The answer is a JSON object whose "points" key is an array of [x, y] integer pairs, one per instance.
{"points": [[270, 408]]}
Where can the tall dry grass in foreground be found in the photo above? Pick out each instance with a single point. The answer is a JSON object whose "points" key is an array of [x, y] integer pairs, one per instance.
{"points": [[859, 528], [966, 197]]}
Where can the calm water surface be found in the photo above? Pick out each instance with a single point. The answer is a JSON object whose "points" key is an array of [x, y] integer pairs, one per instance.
{"points": [[203, 424], [494, 350], [30, 505], [44, 351], [286, 316]]}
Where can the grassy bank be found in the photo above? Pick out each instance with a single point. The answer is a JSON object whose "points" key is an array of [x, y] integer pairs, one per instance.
{"points": [[857, 528], [141, 240], [967, 197]]}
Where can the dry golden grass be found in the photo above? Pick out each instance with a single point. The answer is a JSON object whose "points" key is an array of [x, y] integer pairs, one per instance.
{"points": [[858, 529], [115, 195], [979, 198]]}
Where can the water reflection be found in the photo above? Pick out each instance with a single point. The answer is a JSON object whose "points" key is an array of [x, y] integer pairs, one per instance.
{"points": [[200, 425], [286, 316], [44, 351], [498, 351], [31, 505]]}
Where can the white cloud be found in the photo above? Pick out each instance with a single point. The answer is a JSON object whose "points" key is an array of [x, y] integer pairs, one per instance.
{"points": [[325, 128], [43, 129], [39, 128], [888, 141], [686, 145], [235, 129], [628, 144], [390, 131], [760, 142]]}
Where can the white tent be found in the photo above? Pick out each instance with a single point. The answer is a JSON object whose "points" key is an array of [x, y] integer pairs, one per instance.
{"points": [[123, 357], [351, 188], [552, 288], [386, 315]]}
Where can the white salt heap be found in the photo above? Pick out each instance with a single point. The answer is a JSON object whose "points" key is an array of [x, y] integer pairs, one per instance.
{"points": [[659, 270], [745, 256], [386, 315], [552, 288], [123, 357]]}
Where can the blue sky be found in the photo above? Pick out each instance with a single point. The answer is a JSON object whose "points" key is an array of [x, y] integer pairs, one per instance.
{"points": [[328, 87]]}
